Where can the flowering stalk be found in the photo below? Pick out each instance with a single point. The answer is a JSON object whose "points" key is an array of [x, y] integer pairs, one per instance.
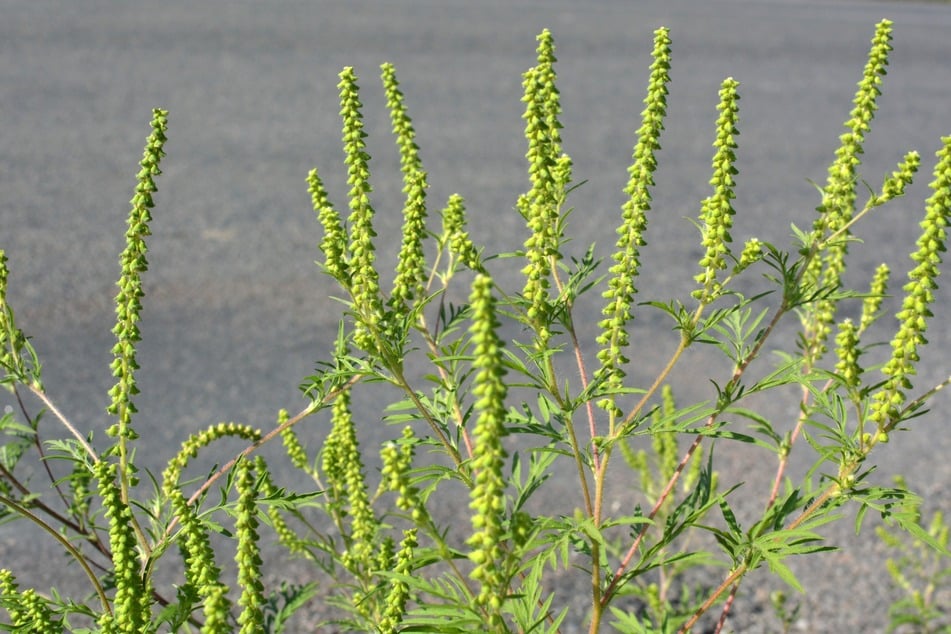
{"points": [[410, 270], [398, 594], [838, 196], [549, 172], [201, 572], [347, 489], [403, 130], [128, 305], [334, 243], [131, 612], [488, 494], [455, 235], [248, 556], [873, 302], [29, 612], [364, 278], [717, 210], [411, 265], [621, 290]]}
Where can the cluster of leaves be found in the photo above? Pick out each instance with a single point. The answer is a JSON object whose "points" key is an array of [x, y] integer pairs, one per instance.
{"points": [[921, 572], [390, 561]]}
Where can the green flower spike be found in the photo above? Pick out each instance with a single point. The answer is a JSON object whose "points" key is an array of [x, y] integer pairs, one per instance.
{"points": [[838, 196], [410, 162], [919, 295], [411, 266], [133, 596], [895, 184], [877, 292], [410, 271], [847, 351], [399, 590], [128, 307], [488, 494], [201, 571], [549, 172], [717, 210], [346, 486], [248, 556], [292, 445], [752, 252], [334, 243], [190, 448], [364, 278], [29, 612], [621, 291], [397, 462], [454, 232]]}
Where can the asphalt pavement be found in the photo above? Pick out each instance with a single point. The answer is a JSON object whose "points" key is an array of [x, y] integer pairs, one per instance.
{"points": [[236, 313]]}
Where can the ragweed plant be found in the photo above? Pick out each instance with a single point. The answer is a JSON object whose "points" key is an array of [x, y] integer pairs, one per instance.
{"points": [[486, 422]]}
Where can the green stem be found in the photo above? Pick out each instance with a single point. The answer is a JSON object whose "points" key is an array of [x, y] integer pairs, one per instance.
{"points": [[65, 544]]}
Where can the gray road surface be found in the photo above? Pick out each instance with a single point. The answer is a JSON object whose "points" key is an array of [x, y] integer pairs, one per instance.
{"points": [[236, 312]]}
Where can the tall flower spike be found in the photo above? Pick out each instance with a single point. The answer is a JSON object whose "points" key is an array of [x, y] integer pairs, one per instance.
{"points": [[919, 295], [128, 307], [621, 291], [549, 172], [488, 494], [365, 280], [248, 556], [717, 210], [334, 243], [838, 196]]}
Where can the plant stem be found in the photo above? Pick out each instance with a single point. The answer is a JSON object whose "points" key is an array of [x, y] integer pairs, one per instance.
{"points": [[65, 544]]}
